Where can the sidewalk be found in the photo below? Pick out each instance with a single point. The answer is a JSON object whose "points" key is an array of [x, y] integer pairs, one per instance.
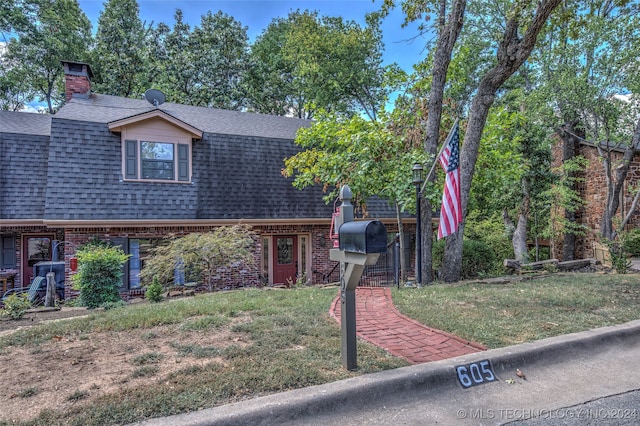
{"points": [[379, 322]]}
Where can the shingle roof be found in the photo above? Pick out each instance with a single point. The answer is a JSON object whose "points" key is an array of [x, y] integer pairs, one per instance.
{"points": [[105, 109], [25, 123]]}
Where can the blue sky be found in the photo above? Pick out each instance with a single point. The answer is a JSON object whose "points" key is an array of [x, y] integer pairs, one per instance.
{"points": [[257, 14]]}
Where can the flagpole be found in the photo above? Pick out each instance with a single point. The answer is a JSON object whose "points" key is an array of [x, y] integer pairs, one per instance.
{"points": [[433, 166]]}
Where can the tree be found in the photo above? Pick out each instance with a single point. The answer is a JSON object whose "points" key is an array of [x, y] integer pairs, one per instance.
{"points": [[120, 55], [221, 53], [200, 254], [370, 156], [588, 55], [48, 32], [204, 67], [512, 50], [305, 63], [13, 94]]}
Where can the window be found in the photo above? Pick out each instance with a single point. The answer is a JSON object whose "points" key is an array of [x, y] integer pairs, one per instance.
{"points": [[156, 161], [7, 252]]}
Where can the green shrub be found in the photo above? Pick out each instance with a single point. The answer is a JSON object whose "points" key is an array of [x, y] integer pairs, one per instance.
{"points": [[632, 242], [99, 275], [154, 291], [16, 305], [477, 258], [619, 256], [492, 232]]}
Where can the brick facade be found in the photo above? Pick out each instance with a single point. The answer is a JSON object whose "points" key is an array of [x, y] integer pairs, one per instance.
{"points": [[592, 188]]}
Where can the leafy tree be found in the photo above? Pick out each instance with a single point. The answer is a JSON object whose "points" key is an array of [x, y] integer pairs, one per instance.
{"points": [[589, 55], [370, 156], [512, 50], [47, 32], [204, 67], [13, 93], [449, 18], [221, 51], [120, 52], [202, 254], [305, 63]]}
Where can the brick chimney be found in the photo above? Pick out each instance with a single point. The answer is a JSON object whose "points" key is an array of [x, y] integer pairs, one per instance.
{"points": [[77, 80]]}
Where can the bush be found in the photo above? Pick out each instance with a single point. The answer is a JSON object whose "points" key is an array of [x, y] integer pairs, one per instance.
{"points": [[492, 232], [477, 258], [632, 242], [154, 291], [16, 305], [99, 275]]}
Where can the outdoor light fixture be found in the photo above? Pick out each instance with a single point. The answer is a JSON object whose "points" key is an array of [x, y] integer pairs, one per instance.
{"points": [[417, 181]]}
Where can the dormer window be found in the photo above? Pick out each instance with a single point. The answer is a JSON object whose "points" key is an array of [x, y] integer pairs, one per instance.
{"points": [[157, 161], [156, 147]]}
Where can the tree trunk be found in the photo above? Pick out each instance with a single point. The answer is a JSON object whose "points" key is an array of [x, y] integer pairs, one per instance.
{"points": [[448, 33], [512, 53], [615, 185]]}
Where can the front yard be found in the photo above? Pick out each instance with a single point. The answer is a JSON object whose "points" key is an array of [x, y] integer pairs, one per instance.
{"points": [[150, 360]]}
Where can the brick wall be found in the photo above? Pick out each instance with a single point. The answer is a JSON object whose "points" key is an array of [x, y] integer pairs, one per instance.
{"points": [[593, 190]]}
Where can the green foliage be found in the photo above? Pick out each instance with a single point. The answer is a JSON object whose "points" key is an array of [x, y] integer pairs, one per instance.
{"points": [[16, 305], [632, 242], [563, 197], [205, 66], [618, 253], [202, 254], [121, 71], [46, 33], [492, 232], [154, 291], [367, 155], [99, 275], [304, 63], [478, 258]]}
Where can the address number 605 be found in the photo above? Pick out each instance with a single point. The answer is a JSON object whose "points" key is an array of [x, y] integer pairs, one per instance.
{"points": [[475, 373]]}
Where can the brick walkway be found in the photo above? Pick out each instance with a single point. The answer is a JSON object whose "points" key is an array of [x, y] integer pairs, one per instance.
{"points": [[379, 322]]}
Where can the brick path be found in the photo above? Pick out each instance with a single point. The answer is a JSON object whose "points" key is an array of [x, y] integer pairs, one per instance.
{"points": [[379, 322]]}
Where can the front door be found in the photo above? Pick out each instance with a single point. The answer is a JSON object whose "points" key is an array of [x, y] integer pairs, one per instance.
{"points": [[35, 248], [285, 257]]}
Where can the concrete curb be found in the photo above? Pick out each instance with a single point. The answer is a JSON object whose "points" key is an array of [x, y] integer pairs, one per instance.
{"points": [[418, 381]]}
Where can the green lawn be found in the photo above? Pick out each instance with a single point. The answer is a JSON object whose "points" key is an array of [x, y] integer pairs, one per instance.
{"points": [[498, 315]]}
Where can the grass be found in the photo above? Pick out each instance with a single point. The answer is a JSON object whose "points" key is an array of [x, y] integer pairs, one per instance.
{"points": [[499, 315], [289, 341]]}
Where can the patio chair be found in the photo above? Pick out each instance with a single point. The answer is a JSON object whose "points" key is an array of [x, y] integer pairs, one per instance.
{"points": [[32, 290]]}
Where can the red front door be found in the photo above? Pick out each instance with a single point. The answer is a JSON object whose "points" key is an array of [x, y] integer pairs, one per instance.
{"points": [[35, 248], [285, 259]]}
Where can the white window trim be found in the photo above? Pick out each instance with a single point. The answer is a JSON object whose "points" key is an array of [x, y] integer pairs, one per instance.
{"points": [[139, 159]]}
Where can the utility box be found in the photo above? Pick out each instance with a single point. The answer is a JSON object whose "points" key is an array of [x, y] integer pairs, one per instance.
{"points": [[365, 237]]}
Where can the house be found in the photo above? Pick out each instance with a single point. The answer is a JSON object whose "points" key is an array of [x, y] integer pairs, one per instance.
{"points": [[133, 171]]}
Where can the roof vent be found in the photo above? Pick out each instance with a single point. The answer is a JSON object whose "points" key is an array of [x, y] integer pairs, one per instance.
{"points": [[155, 97]]}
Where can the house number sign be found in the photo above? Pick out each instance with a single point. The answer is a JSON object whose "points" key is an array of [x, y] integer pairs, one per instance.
{"points": [[475, 373]]}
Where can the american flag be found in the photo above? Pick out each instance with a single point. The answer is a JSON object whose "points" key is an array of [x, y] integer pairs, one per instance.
{"points": [[451, 210]]}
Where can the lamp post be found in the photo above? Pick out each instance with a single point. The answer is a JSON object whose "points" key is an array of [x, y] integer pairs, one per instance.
{"points": [[417, 181]]}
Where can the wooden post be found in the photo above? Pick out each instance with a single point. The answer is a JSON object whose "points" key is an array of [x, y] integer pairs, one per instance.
{"points": [[49, 300]]}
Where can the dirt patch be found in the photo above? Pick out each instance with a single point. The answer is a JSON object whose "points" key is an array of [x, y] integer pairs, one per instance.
{"points": [[66, 370], [38, 316]]}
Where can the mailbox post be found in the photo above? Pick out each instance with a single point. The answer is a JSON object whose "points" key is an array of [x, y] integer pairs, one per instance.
{"points": [[360, 244]]}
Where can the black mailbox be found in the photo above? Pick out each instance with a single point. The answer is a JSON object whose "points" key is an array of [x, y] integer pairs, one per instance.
{"points": [[365, 237]]}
